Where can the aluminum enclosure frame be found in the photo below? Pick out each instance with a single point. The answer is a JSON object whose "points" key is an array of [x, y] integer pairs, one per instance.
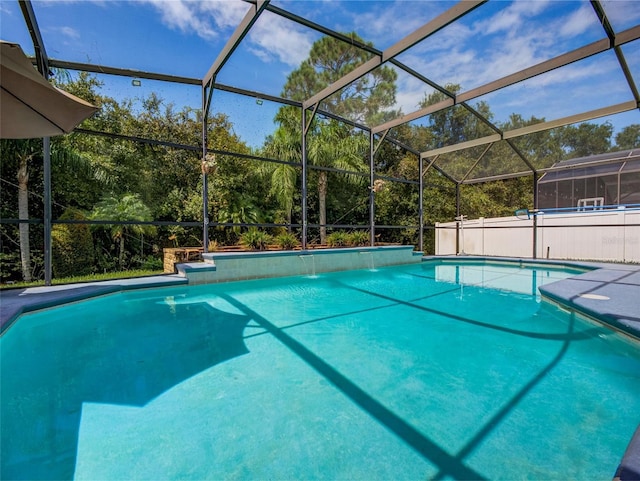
{"points": [[613, 41]]}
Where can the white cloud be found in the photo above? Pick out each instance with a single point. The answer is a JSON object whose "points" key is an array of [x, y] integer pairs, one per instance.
{"points": [[512, 17], [578, 22], [271, 37], [204, 18], [625, 13], [69, 32], [275, 38], [395, 21]]}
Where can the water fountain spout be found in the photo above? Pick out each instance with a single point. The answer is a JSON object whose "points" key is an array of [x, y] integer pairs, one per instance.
{"points": [[313, 264]]}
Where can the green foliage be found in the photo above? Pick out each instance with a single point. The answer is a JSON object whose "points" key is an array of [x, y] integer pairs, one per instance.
{"points": [[358, 238], [337, 239], [152, 263], [72, 246], [255, 239], [628, 138], [286, 241], [586, 139], [367, 100], [10, 266], [126, 207]]}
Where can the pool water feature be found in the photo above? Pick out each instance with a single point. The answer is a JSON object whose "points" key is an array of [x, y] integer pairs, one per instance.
{"points": [[410, 372]]}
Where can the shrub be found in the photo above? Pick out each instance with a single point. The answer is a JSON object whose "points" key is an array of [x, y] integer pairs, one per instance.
{"points": [[255, 239], [152, 263], [286, 241], [71, 246], [358, 238], [337, 239]]}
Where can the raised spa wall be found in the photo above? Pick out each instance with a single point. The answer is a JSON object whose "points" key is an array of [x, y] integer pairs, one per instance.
{"points": [[233, 266]]}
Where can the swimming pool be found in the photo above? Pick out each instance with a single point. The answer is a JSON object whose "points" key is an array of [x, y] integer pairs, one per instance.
{"points": [[410, 372]]}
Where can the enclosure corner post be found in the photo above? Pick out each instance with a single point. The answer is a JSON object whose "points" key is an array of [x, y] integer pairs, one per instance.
{"points": [[47, 211], [304, 178], [421, 203], [457, 216], [372, 194], [535, 216], [207, 90]]}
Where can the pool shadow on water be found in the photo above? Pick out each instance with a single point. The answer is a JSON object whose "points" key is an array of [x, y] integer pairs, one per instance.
{"points": [[41, 410], [449, 465], [426, 447]]}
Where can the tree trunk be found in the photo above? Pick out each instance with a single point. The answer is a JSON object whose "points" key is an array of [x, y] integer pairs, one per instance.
{"points": [[23, 214], [322, 200], [121, 256]]}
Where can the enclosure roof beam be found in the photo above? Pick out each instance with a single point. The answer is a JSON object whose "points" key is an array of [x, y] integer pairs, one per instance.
{"points": [[539, 127], [525, 74], [494, 178], [102, 69], [382, 137], [462, 145], [545, 170], [123, 72], [42, 60], [241, 31], [443, 104], [543, 67], [572, 119], [606, 25], [484, 152], [321, 29], [438, 23]]}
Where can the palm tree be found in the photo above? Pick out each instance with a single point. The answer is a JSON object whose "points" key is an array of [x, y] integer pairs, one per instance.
{"points": [[334, 146], [21, 155], [127, 207], [283, 145], [330, 144]]}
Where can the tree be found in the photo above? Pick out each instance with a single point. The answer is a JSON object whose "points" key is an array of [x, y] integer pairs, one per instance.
{"points": [[586, 139], [71, 246], [331, 144], [629, 137], [127, 207], [455, 124], [334, 146], [25, 151], [368, 99], [285, 144]]}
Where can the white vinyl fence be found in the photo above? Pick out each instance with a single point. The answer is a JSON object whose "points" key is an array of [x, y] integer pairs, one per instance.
{"points": [[607, 235]]}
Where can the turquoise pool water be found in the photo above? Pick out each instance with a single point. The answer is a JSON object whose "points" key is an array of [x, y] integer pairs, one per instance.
{"points": [[412, 372]]}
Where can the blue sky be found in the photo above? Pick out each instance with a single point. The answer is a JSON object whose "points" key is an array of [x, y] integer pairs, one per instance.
{"points": [[183, 37]]}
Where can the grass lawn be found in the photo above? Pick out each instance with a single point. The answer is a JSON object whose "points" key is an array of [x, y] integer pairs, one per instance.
{"points": [[87, 278]]}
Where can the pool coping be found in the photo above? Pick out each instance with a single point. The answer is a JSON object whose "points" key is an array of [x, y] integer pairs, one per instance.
{"points": [[14, 302]]}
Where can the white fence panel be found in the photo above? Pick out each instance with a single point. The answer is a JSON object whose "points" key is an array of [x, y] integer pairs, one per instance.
{"points": [[612, 235]]}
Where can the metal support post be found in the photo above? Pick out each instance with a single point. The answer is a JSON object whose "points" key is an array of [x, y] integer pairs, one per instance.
{"points": [[421, 202], [535, 215], [47, 211], [304, 178], [372, 194], [205, 186], [457, 215]]}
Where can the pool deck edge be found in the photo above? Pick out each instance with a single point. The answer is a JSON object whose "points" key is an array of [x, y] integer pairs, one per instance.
{"points": [[14, 302]]}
